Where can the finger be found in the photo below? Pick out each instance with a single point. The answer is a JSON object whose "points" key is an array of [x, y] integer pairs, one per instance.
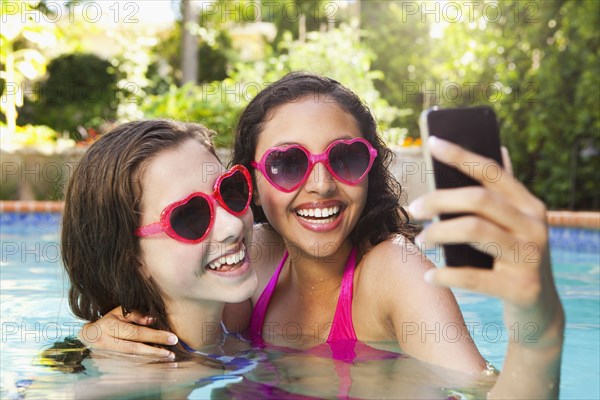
{"points": [[134, 316], [473, 199], [479, 233], [112, 345], [520, 287], [138, 318], [118, 330], [489, 174], [484, 170], [136, 351], [506, 160], [116, 312]]}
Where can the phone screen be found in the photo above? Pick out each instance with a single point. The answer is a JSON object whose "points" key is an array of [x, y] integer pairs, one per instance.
{"points": [[475, 129]]}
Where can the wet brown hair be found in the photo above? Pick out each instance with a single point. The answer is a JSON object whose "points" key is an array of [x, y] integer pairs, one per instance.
{"points": [[383, 215], [100, 252]]}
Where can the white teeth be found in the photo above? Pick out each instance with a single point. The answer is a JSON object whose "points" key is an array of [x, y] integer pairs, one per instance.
{"points": [[318, 212], [229, 259]]}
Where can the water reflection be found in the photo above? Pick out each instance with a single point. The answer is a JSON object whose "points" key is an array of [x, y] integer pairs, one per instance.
{"points": [[275, 373]]}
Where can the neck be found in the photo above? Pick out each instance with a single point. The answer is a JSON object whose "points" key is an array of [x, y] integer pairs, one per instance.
{"points": [[197, 324], [309, 270]]}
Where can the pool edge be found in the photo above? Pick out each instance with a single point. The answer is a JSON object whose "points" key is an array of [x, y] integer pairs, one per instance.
{"points": [[30, 206]]}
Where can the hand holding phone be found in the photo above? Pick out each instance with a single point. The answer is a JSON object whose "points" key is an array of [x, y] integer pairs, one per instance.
{"points": [[475, 129], [505, 215]]}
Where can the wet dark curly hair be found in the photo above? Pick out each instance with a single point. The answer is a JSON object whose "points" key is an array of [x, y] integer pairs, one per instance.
{"points": [[383, 215]]}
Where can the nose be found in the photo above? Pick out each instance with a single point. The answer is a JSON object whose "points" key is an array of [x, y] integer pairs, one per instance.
{"points": [[320, 180], [227, 227]]}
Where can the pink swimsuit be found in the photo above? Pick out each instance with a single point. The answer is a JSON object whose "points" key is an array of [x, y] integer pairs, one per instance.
{"points": [[341, 344], [342, 328]]}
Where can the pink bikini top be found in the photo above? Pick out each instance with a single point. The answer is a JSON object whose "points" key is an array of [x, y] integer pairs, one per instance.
{"points": [[341, 344], [342, 328]]}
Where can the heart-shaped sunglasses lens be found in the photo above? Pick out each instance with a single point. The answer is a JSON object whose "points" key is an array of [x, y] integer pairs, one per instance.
{"points": [[349, 161], [286, 168], [235, 192], [192, 219]]}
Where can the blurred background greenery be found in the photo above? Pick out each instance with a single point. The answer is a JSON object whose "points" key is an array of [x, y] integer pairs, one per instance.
{"points": [[68, 75]]}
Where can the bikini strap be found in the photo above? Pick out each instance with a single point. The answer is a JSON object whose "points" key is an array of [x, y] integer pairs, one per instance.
{"points": [[260, 308], [343, 328]]}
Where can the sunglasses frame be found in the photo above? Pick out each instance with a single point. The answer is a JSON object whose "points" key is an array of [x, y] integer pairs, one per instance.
{"points": [[164, 224], [314, 159]]}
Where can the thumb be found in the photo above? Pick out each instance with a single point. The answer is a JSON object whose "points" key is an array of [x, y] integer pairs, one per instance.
{"points": [[506, 160]]}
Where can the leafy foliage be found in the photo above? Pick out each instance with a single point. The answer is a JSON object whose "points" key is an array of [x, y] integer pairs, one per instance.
{"points": [[219, 103], [286, 15], [79, 91], [536, 63], [216, 105], [214, 57], [21, 37]]}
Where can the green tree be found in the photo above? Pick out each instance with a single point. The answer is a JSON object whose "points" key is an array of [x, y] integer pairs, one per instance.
{"points": [[218, 104], [536, 63], [215, 54], [79, 91], [290, 16]]}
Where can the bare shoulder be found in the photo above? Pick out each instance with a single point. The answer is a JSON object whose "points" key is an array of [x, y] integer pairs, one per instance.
{"points": [[266, 251], [265, 234], [267, 247], [394, 271], [396, 257], [389, 284]]}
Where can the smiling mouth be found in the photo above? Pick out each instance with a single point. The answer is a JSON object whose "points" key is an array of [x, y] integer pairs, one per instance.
{"points": [[319, 215], [229, 261]]}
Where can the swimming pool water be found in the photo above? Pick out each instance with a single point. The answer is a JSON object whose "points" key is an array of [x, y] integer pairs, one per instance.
{"points": [[35, 312], [578, 280]]}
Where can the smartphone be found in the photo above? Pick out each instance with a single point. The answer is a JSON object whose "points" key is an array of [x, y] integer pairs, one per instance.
{"points": [[475, 129]]}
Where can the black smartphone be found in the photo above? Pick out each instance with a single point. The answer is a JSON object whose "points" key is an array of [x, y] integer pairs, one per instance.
{"points": [[475, 129]]}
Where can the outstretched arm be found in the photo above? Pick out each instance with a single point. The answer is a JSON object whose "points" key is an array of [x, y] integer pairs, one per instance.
{"points": [[502, 212]]}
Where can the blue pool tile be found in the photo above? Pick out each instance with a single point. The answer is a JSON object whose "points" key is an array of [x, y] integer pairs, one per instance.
{"points": [[575, 239], [11, 223]]}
